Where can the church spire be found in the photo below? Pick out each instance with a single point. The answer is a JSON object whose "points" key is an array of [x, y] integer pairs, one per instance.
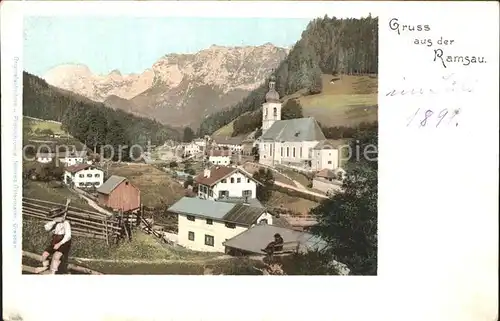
{"points": [[272, 95]]}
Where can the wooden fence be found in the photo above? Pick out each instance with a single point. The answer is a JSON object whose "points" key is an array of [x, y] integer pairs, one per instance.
{"points": [[83, 223]]}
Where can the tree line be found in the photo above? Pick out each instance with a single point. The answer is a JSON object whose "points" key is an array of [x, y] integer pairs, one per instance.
{"points": [[88, 121], [327, 46]]}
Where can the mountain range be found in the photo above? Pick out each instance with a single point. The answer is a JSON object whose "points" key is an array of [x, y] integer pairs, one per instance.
{"points": [[178, 89]]}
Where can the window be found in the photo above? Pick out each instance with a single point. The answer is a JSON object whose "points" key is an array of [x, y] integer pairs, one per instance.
{"points": [[89, 175], [247, 193], [329, 162], [275, 112], [211, 193], [96, 183], [81, 175], [232, 180], [248, 180], [223, 194], [126, 183], [281, 151], [230, 225], [210, 221], [209, 240], [271, 150], [288, 152], [190, 218], [82, 184], [300, 152], [97, 175], [191, 236], [263, 221], [293, 151], [224, 181]]}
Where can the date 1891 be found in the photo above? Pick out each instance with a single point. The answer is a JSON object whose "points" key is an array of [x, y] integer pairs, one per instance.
{"points": [[428, 117]]}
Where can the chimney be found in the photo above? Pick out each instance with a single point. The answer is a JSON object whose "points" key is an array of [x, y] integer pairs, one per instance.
{"points": [[206, 173]]}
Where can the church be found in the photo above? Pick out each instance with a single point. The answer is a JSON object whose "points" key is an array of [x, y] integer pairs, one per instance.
{"points": [[297, 143]]}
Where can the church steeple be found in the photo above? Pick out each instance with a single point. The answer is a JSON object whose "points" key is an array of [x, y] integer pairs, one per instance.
{"points": [[271, 110]]}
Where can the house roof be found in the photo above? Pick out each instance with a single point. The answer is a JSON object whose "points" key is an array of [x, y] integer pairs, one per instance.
{"points": [[294, 130], [78, 167], [244, 214], [223, 211], [201, 207], [235, 200], [217, 173], [329, 144], [257, 237], [110, 184]]}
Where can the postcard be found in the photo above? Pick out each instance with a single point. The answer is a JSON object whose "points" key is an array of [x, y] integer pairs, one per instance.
{"points": [[168, 153]]}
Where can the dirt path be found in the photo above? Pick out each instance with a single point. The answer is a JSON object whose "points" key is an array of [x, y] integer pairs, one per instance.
{"points": [[91, 202], [156, 261]]}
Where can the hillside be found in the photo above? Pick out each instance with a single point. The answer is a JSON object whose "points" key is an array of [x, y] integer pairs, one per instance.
{"points": [[178, 89], [89, 121], [349, 52], [346, 102]]}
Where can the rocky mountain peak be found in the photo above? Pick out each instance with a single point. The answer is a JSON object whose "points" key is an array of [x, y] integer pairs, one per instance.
{"points": [[177, 84]]}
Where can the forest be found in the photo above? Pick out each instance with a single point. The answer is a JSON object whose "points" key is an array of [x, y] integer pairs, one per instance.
{"points": [[89, 121], [327, 46]]}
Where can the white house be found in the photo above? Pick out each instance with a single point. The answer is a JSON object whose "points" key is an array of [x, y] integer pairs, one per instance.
{"points": [[67, 158], [219, 157], [325, 156], [224, 182], [200, 142], [204, 225], [192, 149], [73, 158], [45, 158], [83, 176], [292, 142], [234, 144]]}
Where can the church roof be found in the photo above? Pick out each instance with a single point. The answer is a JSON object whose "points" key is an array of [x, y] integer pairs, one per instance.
{"points": [[294, 130]]}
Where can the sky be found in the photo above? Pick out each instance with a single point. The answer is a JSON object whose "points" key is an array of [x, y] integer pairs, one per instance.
{"points": [[133, 44]]}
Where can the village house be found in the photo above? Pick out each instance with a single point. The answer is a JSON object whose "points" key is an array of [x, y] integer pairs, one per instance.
{"points": [[66, 158], [119, 193], [253, 240], [204, 225], [83, 176], [224, 182], [234, 144], [328, 181], [291, 142], [192, 149], [45, 158], [75, 157], [202, 142], [219, 157]]}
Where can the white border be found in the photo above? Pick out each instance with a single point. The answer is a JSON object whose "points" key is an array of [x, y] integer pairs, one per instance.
{"points": [[436, 259]]}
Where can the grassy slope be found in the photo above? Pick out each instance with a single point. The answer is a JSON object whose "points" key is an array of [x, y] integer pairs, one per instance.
{"points": [[156, 186], [44, 191], [153, 256], [343, 103], [35, 124]]}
